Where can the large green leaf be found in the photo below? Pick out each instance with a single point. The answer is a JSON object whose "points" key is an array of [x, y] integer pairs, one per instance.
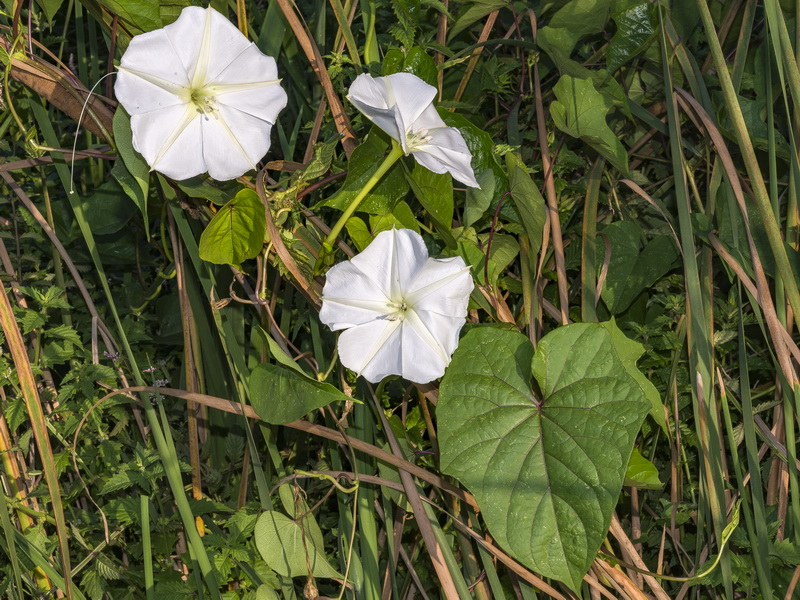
{"points": [[144, 15], [281, 395], [363, 163], [631, 272], [580, 111], [288, 548], [572, 22], [545, 459], [236, 232], [637, 23]]}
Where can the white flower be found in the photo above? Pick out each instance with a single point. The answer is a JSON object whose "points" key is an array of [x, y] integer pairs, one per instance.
{"points": [[402, 310], [200, 95], [402, 105]]}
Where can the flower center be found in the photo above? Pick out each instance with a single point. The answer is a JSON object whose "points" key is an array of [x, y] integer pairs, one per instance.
{"points": [[400, 309], [416, 139], [204, 100]]}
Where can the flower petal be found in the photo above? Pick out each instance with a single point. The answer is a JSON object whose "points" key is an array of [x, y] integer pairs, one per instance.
{"points": [[425, 357], [233, 142], [351, 298], [250, 83], [392, 260], [411, 95], [373, 349], [141, 94], [370, 96], [442, 286], [150, 75], [169, 139], [206, 42], [427, 120], [447, 151]]}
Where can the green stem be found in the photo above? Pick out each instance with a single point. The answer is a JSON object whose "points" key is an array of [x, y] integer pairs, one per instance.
{"points": [[391, 158]]}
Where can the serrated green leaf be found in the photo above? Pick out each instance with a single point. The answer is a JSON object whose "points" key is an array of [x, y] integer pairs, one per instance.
{"points": [[580, 111], [63, 332], [546, 461], [288, 549], [236, 232], [280, 395]]}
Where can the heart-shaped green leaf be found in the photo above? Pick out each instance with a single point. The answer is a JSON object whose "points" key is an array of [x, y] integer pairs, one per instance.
{"points": [[545, 459], [236, 232]]}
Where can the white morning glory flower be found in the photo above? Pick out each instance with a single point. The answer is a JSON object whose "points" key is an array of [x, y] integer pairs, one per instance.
{"points": [[200, 95], [401, 310], [402, 105]]}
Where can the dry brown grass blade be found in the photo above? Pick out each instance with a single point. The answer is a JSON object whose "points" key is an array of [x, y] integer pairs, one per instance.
{"points": [[191, 375], [446, 582], [633, 556], [324, 432], [473, 61], [310, 290], [764, 295], [62, 91], [30, 394], [349, 140], [550, 188]]}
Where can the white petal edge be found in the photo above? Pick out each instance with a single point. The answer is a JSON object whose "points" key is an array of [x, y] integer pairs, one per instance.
{"points": [[392, 260], [370, 97], [447, 152], [351, 298], [170, 141], [411, 95], [373, 349]]}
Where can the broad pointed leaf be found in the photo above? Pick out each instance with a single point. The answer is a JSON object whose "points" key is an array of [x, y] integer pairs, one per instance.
{"points": [[545, 459], [236, 232]]}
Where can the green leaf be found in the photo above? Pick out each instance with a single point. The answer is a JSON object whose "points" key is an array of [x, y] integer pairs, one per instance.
{"points": [[364, 161], [288, 548], [416, 61], [134, 176], [143, 15], [479, 199], [481, 146], [573, 21], [528, 200], [218, 192], [631, 272], [421, 64], [636, 27], [402, 217], [476, 11], [281, 395], [472, 249], [641, 473], [236, 232], [108, 209], [265, 592], [580, 111], [435, 193], [50, 8], [359, 233], [545, 460]]}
